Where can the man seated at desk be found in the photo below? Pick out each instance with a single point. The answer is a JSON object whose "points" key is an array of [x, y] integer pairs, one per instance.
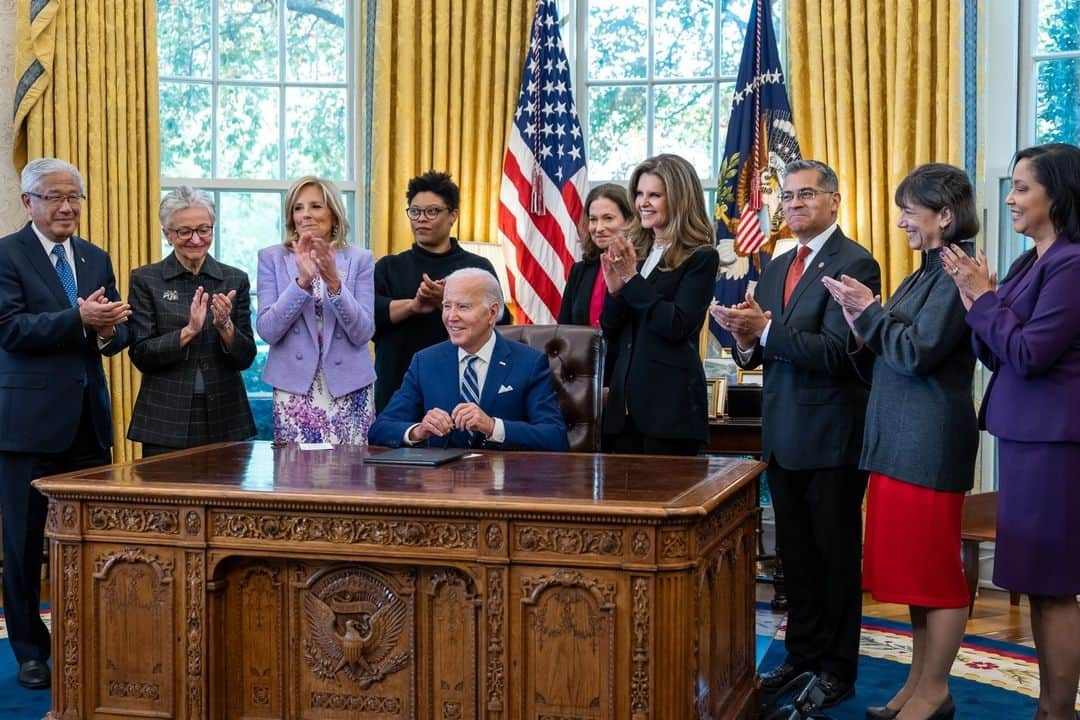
{"points": [[476, 389]]}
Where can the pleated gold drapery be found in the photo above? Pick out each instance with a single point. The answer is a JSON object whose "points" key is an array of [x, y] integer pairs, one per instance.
{"points": [[446, 80], [876, 89], [89, 68]]}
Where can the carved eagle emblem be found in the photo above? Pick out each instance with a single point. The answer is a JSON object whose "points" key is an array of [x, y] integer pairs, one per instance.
{"points": [[360, 645]]}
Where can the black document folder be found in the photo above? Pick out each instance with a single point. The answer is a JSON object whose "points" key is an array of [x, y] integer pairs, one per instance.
{"points": [[429, 457]]}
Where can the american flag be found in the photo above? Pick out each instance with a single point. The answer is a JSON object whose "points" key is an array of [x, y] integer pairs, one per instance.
{"points": [[543, 182]]}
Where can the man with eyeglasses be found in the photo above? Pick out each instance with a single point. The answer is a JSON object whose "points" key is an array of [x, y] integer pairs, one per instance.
{"points": [[59, 313], [813, 406], [409, 285]]}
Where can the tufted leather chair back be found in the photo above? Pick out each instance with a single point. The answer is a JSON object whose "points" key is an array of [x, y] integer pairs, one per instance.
{"points": [[576, 355]]}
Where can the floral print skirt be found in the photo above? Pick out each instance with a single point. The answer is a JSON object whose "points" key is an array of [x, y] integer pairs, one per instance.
{"points": [[319, 417]]}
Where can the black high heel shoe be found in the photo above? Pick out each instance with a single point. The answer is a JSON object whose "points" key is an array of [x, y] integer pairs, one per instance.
{"points": [[945, 711], [881, 713]]}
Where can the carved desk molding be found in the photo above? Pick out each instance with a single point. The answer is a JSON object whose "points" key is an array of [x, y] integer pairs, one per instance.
{"points": [[242, 580]]}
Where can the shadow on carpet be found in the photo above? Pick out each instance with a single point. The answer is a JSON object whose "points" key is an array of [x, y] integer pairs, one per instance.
{"points": [[990, 679]]}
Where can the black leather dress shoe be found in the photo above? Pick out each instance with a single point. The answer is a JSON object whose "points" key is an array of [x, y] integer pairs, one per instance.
{"points": [[775, 680], [34, 674], [945, 711], [836, 690]]}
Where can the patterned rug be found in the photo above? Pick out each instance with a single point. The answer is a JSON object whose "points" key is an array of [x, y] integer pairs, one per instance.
{"points": [[990, 678]]}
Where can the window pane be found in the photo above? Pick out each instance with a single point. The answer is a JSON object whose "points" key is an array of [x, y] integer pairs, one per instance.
{"points": [[249, 39], [247, 222], [618, 38], [184, 41], [684, 123], [315, 41], [185, 129], [683, 38], [726, 90], [248, 132], [315, 132], [734, 14], [616, 131], [1057, 101], [1059, 22]]}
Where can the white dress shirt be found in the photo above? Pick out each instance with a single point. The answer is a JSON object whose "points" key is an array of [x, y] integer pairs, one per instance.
{"points": [[815, 244], [483, 362]]}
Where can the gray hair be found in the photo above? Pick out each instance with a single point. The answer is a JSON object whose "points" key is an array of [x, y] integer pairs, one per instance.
{"points": [[35, 171], [182, 198], [826, 175], [490, 284]]}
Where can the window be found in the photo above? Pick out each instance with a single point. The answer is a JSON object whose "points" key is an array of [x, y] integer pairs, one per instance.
{"points": [[657, 77], [1054, 75], [252, 94]]}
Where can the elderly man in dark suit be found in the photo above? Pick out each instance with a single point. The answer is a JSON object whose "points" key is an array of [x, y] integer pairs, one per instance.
{"points": [[59, 313], [476, 389], [813, 408]]}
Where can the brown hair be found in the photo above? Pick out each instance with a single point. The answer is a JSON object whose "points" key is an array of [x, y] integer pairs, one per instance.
{"points": [[332, 196], [616, 194], [689, 226]]}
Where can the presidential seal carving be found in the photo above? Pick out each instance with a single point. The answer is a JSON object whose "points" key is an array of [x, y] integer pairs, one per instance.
{"points": [[354, 623]]}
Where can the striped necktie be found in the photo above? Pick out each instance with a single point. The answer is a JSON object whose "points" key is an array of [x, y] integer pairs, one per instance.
{"points": [[470, 386], [67, 278]]}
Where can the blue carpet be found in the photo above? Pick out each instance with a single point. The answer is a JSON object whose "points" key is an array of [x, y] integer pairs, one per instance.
{"points": [[986, 679], [16, 702]]}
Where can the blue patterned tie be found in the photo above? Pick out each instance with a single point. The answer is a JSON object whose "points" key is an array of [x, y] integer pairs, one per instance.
{"points": [[67, 278], [470, 393]]}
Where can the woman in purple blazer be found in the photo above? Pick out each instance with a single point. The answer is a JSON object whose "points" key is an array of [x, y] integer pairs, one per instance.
{"points": [[1027, 331], [316, 310]]}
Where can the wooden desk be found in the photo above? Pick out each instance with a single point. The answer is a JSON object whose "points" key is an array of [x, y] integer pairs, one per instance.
{"points": [[240, 580], [979, 525]]}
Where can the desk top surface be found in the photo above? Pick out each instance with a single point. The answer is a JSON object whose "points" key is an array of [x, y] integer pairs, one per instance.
{"points": [[256, 472]]}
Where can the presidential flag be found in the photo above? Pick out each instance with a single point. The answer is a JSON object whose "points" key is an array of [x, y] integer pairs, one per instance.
{"points": [[543, 182], [760, 142]]}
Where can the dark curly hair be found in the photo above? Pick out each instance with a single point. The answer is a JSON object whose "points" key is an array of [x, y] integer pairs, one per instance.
{"points": [[435, 182]]}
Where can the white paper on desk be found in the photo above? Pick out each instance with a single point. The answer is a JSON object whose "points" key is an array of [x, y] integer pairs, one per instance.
{"points": [[316, 446]]}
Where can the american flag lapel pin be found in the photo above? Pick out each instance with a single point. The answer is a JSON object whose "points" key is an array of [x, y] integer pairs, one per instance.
{"points": [[821, 264]]}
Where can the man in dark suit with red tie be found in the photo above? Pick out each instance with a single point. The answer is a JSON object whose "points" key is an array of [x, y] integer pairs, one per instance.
{"points": [[59, 313], [813, 408]]}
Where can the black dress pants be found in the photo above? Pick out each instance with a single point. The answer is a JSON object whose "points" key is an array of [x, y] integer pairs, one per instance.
{"points": [[819, 533], [24, 510]]}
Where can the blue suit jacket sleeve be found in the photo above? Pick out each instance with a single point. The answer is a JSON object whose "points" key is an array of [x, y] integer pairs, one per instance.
{"points": [[406, 407]]}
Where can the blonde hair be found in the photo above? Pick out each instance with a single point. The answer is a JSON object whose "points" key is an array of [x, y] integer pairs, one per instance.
{"points": [[332, 196], [689, 226]]}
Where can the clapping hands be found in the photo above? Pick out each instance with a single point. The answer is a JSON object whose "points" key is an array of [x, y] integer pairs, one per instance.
{"points": [[315, 257]]}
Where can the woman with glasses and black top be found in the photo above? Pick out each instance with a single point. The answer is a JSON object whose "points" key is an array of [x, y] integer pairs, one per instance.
{"points": [[316, 310], [409, 285], [190, 336]]}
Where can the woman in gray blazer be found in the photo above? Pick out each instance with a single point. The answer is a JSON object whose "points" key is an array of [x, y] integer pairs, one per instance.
{"points": [[190, 336], [921, 438]]}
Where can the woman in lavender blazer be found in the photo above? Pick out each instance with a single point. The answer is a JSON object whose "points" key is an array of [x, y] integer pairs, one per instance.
{"points": [[316, 310], [1027, 331]]}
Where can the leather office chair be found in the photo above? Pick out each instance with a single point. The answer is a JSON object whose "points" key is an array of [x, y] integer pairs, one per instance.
{"points": [[576, 355]]}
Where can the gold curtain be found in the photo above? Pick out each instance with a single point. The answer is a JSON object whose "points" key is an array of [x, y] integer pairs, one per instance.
{"points": [[876, 89], [88, 93], [446, 79]]}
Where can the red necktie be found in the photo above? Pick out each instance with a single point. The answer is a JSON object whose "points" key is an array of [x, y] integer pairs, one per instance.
{"points": [[795, 272]]}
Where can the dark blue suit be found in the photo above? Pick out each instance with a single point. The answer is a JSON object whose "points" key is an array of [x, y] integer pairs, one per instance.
{"points": [[517, 390], [54, 408]]}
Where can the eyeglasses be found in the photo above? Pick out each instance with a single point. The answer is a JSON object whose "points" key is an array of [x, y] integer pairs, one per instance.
{"points": [[51, 199], [430, 212], [185, 233], [804, 194]]}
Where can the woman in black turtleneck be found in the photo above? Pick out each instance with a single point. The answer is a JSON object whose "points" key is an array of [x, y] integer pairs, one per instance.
{"points": [[921, 438]]}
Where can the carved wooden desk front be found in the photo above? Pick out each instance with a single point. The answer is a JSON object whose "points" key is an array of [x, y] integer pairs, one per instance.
{"points": [[244, 581]]}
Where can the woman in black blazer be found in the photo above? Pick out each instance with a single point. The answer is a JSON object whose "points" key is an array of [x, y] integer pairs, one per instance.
{"points": [[609, 213], [655, 307]]}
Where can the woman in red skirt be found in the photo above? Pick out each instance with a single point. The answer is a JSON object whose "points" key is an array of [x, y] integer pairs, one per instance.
{"points": [[921, 436]]}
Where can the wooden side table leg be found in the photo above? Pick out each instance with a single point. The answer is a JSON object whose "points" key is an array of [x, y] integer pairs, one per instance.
{"points": [[969, 554]]}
